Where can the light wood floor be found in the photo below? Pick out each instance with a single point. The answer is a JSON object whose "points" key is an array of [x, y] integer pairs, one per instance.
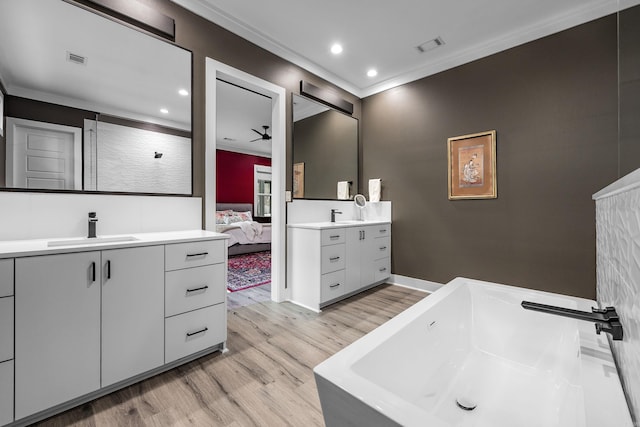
{"points": [[265, 379]]}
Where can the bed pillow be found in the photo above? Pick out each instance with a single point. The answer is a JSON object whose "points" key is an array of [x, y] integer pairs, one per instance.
{"points": [[221, 216], [238, 217]]}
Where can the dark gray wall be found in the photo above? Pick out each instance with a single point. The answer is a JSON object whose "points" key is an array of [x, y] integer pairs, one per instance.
{"points": [[553, 103], [327, 143], [629, 90]]}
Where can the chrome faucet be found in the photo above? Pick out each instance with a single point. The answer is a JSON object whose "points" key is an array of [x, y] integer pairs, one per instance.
{"points": [[92, 224], [333, 214]]}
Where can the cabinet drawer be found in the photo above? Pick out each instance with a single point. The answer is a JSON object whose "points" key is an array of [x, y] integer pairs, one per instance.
{"points": [[6, 392], [381, 230], [332, 285], [6, 277], [197, 330], [6, 328], [332, 236], [382, 269], [194, 254], [332, 258], [381, 247], [193, 288]]}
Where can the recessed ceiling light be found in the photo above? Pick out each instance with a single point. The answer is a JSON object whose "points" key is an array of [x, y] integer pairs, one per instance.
{"points": [[336, 49], [183, 92], [372, 72], [164, 111]]}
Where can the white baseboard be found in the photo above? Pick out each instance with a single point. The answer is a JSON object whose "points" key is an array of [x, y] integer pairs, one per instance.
{"points": [[410, 282]]}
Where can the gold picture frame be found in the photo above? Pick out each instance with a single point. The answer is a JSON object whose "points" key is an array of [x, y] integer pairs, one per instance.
{"points": [[298, 180], [472, 166]]}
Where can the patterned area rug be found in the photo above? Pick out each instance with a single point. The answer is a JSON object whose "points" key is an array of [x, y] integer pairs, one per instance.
{"points": [[249, 270]]}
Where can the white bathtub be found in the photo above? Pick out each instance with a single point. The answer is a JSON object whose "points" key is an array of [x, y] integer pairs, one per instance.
{"points": [[472, 342]]}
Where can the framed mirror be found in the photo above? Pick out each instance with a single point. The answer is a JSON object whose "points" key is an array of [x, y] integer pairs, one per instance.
{"points": [[91, 104], [325, 151]]}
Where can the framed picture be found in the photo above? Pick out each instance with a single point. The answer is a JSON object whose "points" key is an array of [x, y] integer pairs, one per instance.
{"points": [[472, 166], [298, 180]]}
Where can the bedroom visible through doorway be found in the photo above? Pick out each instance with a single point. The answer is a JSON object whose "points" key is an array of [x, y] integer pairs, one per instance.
{"points": [[243, 189]]}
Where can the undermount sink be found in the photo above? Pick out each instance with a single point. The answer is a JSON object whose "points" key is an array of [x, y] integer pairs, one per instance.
{"points": [[349, 221], [91, 241]]}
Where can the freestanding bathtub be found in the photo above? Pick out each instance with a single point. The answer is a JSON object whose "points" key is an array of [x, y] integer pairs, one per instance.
{"points": [[470, 355]]}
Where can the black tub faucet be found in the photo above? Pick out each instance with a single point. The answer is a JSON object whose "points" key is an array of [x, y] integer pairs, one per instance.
{"points": [[606, 319], [92, 224]]}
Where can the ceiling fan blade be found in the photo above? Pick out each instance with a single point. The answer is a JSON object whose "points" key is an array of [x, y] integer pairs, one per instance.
{"points": [[259, 133], [254, 140]]}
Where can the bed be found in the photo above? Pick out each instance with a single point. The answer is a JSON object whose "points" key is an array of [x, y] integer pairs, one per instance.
{"points": [[246, 235]]}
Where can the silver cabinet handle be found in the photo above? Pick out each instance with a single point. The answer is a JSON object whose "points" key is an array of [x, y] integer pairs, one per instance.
{"points": [[383, 269], [335, 258], [201, 288], [190, 334], [109, 269], [334, 237], [93, 271], [383, 230], [198, 254], [334, 285], [383, 248]]}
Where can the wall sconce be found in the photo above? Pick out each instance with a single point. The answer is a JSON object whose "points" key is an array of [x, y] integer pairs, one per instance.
{"points": [[157, 155]]}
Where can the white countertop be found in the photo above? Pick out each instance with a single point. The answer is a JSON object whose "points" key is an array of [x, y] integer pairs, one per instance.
{"points": [[337, 224], [32, 247]]}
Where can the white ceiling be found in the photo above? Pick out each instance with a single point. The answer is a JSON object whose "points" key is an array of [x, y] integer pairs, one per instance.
{"points": [[238, 112], [127, 74], [383, 34]]}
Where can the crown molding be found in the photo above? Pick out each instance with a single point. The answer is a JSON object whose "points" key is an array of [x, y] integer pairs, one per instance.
{"points": [[527, 34]]}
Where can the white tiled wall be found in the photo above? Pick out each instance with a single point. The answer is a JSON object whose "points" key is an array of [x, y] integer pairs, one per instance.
{"points": [[618, 274], [46, 215]]}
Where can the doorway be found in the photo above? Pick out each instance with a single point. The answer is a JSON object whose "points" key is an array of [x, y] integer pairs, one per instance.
{"points": [[216, 70]]}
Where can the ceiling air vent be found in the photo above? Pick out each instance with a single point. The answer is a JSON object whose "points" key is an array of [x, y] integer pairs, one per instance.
{"points": [[430, 45], [76, 59]]}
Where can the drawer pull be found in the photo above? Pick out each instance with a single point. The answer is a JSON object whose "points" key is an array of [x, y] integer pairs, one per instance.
{"points": [[383, 248], [190, 334], [383, 269], [383, 230], [335, 285], [334, 237], [198, 254], [201, 288], [335, 258]]}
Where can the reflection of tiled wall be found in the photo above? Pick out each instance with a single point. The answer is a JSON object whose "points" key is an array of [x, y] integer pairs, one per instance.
{"points": [[618, 278]]}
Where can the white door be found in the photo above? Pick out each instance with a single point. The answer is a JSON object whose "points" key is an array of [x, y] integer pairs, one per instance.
{"points": [[132, 312], [43, 155], [57, 329]]}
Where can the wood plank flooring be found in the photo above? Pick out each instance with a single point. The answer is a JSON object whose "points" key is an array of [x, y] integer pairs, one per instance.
{"points": [[265, 379]]}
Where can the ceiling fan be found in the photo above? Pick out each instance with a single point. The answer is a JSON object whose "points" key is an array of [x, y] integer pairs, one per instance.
{"points": [[263, 136]]}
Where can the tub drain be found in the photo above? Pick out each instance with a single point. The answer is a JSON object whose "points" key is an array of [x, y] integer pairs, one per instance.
{"points": [[466, 403]]}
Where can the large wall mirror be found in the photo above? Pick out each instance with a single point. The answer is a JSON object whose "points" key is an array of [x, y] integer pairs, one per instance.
{"points": [[91, 104], [325, 151]]}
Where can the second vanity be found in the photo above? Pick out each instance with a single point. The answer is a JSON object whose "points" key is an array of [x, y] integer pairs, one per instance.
{"points": [[90, 316], [330, 261]]}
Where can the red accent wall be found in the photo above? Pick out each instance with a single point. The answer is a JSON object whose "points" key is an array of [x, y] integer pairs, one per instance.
{"points": [[234, 176]]}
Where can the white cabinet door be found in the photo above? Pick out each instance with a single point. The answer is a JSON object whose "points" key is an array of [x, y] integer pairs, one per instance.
{"points": [[132, 312], [57, 330], [353, 275], [364, 247]]}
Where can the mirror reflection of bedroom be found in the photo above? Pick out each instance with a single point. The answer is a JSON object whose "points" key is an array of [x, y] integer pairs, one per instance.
{"points": [[243, 190]]}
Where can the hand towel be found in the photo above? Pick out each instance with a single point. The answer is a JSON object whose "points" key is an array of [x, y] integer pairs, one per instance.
{"points": [[343, 190], [375, 186]]}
